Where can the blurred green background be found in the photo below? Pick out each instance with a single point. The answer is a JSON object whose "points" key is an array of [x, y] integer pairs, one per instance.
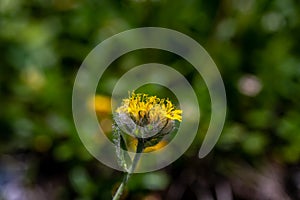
{"points": [[256, 46]]}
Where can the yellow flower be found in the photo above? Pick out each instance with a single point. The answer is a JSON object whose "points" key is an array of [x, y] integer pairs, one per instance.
{"points": [[144, 109], [145, 120]]}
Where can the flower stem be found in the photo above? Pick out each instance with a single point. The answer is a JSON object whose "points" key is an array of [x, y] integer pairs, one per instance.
{"points": [[139, 150]]}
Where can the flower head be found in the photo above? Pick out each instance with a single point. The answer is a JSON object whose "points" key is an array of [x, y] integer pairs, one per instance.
{"points": [[147, 115]]}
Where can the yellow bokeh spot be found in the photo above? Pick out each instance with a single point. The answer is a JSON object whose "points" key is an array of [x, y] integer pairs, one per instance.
{"points": [[33, 78], [156, 147], [101, 104], [133, 144]]}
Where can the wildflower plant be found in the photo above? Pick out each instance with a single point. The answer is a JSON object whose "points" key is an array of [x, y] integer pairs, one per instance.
{"points": [[147, 119]]}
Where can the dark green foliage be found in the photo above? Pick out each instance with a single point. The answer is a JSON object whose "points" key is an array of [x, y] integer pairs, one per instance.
{"points": [[43, 43]]}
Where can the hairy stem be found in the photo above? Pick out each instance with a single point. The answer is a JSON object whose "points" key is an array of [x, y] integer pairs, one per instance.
{"points": [[139, 150]]}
